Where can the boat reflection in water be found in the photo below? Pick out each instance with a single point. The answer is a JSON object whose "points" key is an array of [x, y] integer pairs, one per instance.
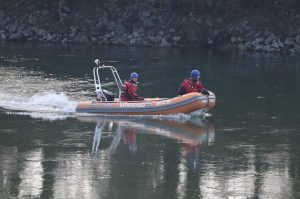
{"points": [[192, 134]]}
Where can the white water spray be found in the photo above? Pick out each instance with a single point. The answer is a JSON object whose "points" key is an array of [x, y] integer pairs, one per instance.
{"points": [[31, 93], [48, 106]]}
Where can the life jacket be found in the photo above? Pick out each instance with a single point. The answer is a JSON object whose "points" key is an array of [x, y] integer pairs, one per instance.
{"points": [[129, 91], [190, 85]]}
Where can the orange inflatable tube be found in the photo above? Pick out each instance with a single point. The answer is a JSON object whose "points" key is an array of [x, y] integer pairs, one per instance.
{"points": [[151, 106]]}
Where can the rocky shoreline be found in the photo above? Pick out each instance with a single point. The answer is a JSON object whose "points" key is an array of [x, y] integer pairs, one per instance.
{"points": [[272, 26]]}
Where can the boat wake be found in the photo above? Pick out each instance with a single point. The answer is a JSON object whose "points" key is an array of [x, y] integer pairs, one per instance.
{"points": [[27, 91], [48, 106]]}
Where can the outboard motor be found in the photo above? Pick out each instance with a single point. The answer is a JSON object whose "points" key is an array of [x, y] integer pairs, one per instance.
{"points": [[107, 94]]}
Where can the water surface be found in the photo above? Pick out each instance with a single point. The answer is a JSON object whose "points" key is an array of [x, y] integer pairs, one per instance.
{"points": [[248, 148]]}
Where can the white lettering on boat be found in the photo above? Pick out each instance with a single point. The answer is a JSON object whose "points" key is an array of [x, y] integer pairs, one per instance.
{"points": [[132, 105], [164, 102]]}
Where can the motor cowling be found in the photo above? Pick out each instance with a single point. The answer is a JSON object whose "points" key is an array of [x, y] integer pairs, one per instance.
{"points": [[107, 94]]}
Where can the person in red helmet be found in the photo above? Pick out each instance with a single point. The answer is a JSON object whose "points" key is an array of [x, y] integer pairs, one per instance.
{"points": [[192, 84], [129, 89]]}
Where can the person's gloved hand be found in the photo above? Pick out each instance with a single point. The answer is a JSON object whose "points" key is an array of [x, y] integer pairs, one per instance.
{"points": [[205, 92]]}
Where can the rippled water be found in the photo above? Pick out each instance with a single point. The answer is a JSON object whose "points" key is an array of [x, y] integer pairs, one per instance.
{"points": [[247, 148]]}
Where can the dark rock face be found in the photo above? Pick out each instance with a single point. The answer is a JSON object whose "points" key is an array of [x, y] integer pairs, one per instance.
{"points": [[269, 26]]}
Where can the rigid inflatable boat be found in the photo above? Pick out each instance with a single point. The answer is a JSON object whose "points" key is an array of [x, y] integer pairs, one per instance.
{"points": [[105, 103]]}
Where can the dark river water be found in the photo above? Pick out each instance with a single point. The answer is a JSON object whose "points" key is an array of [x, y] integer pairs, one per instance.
{"points": [[248, 147]]}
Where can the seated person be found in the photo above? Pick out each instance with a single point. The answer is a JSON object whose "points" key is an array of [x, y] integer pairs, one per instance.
{"points": [[192, 84], [129, 89]]}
